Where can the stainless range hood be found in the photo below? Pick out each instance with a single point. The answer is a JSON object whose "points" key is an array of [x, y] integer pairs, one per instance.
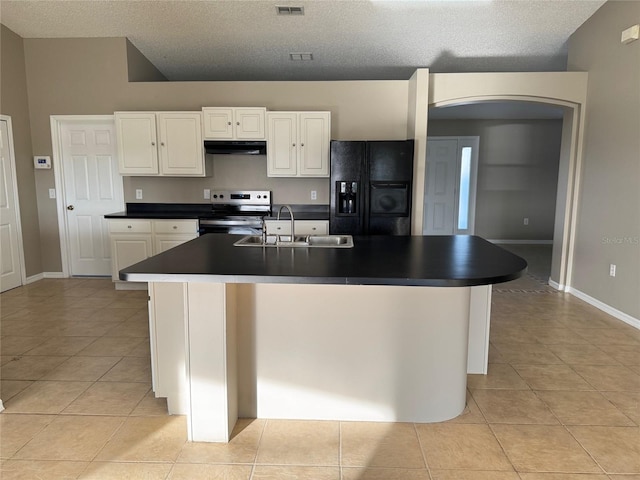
{"points": [[235, 147]]}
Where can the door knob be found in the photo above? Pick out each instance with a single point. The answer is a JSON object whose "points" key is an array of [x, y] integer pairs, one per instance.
{"points": [[70, 207]]}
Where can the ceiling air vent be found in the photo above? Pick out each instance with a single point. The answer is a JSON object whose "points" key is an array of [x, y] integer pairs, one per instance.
{"points": [[301, 57], [282, 10]]}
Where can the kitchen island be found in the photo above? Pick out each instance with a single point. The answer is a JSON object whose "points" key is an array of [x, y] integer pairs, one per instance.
{"points": [[384, 331]]}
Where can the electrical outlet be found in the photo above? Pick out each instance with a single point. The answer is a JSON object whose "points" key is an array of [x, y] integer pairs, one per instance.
{"points": [[207, 194], [138, 194], [612, 270], [314, 195], [52, 193], [526, 221]]}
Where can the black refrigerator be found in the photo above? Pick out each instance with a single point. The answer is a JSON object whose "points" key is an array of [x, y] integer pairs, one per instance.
{"points": [[371, 187]]}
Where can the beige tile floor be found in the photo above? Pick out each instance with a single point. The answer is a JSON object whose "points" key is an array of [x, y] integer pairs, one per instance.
{"points": [[560, 401]]}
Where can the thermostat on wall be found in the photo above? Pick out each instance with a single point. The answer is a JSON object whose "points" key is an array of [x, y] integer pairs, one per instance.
{"points": [[40, 161]]}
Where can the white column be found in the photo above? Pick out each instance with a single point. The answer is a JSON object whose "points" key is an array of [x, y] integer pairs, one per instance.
{"points": [[479, 323], [211, 361]]}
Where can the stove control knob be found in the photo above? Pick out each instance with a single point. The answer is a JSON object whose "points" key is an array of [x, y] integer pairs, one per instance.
{"points": [[221, 196], [215, 196], [258, 196]]}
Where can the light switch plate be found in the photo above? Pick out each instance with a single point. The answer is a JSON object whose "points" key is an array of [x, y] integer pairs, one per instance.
{"points": [[138, 194]]}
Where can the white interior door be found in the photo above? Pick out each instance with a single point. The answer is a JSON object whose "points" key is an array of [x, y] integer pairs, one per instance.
{"points": [[92, 188], [10, 261], [450, 185], [440, 186]]}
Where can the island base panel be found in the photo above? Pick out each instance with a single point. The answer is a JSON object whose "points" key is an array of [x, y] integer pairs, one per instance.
{"points": [[371, 353], [363, 353]]}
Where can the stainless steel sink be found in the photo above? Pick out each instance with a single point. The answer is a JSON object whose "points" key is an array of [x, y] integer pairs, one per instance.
{"points": [[310, 241]]}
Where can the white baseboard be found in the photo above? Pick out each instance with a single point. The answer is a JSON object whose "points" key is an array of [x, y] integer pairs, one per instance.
{"points": [[33, 278], [131, 285], [54, 275], [40, 276], [522, 242], [556, 285], [628, 319], [1, 406]]}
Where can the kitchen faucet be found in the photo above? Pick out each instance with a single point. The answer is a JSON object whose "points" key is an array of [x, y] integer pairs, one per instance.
{"points": [[292, 221]]}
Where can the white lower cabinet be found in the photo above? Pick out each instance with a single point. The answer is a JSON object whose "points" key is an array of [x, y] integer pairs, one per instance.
{"points": [[302, 227], [171, 233], [134, 240]]}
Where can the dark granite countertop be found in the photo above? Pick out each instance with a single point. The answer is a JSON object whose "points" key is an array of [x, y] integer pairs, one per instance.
{"points": [[164, 210], [205, 210], [438, 261]]}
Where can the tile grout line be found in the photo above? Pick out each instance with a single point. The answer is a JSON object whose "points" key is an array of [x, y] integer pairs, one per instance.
{"points": [[422, 451]]}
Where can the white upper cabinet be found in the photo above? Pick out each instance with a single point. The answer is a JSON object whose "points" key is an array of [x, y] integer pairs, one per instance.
{"points": [[160, 143], [298, 144], [282, 148], [137, 143], [181, 145], [239, 123]]}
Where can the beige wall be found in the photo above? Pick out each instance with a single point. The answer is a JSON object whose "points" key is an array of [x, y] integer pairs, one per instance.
{"points": [[609, 215], [14, 103], [89, 76], [517, 174]]}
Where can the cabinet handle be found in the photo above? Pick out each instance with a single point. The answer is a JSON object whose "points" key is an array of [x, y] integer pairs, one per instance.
{"points": [[153, 144], [294, 145], [162, 143], [302, 144], [237, 123], [175, 227], [70, 207], [229, 123], [129, 226], [313, 228]]}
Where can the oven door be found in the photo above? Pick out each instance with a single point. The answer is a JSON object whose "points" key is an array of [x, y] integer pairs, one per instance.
{"points": [[231, 226]]}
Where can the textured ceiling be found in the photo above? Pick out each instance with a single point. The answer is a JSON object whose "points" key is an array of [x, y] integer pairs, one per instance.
{"points": [[349, 40]]}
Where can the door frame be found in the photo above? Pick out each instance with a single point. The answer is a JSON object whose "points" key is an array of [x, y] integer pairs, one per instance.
{"points": [[474, 142], [565, 229], [56, 122], [16, 200]]}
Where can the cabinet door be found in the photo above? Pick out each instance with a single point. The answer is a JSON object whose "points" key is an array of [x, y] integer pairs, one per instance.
{"points": [[249, 123], [127, 249], [218, 123], [315, 138], [181, 146], [282, 147], [164, 242], [137, 149]]}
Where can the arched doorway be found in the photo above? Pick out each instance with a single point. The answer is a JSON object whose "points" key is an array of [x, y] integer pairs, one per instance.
{"points": [[561, 89], [517, 169]]}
